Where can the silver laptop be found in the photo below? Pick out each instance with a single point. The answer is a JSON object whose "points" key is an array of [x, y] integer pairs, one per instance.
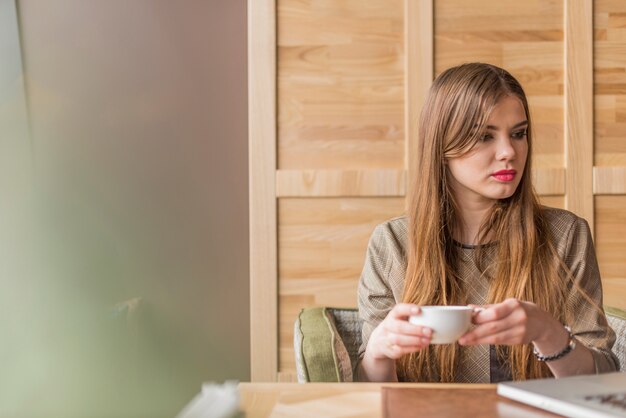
{"points": [[594, 396]]}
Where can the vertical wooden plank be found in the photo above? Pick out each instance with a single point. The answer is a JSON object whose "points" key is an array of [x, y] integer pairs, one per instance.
{"points": [[262, 164], [579, 107], [419, 69]]}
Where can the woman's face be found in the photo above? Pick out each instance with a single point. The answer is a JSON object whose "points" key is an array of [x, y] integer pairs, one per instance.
{"points": [[493, 168]]}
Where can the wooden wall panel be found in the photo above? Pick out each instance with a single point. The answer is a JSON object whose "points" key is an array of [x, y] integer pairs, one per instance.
{"points": [[609, 180], [381, 182], [553, 201], [610, 241], [610, 146], [321, 253], [610, 82], [341, 89], [340, 84]]}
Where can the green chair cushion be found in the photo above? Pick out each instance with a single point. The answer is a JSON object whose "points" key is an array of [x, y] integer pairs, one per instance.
{"points": [[321, 355], [317, 346]]}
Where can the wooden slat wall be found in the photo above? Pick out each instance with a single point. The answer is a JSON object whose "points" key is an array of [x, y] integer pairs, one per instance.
{"points": [[322, 244], [351, 77], [341, 143], [609, 60], [340, 84], [381, 182]]}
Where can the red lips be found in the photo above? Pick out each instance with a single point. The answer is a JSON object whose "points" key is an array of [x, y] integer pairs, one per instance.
{"points": [[504, 175], [504, 172]]}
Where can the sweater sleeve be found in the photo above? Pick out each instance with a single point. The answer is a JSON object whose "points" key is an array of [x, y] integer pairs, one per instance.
{"points": [[375, 296], [588, 322]]}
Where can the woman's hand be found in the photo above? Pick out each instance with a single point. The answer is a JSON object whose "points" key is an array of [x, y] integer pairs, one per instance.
{"points": [[513, 322], [395, 336]]}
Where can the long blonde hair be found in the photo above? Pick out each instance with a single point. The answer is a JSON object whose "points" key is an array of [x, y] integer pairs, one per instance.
{"points": [[455, 113]]}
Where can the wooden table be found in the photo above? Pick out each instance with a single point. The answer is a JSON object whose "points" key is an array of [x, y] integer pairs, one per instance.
{"points": [[363, 400]]}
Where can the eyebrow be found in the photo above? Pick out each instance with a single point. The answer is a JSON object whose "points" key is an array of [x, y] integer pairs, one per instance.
{"points": [[517, 125]]}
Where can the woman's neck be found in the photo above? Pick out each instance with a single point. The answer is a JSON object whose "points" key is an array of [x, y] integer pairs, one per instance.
{"points": [[469, 220]]}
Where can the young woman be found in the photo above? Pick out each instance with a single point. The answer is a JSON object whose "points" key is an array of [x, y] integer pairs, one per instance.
{"points": [[476, 234]]}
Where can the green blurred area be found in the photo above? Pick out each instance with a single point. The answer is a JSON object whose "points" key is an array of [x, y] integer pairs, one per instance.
{"points": [[123, 205]]}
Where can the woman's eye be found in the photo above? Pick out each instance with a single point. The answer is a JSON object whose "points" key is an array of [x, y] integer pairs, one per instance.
{"points": [[485, 137], [519, 134]]}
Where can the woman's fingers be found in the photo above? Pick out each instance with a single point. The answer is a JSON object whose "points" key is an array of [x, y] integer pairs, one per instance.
{"points": [[484, 330], [397, 323], [400, 337], [404, 310], [395, 336], [504, 323], [396, 351], [497, 311], [405, 327], [507, 336]]}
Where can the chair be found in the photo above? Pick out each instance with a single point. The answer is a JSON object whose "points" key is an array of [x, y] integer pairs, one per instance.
{"points": [[327, 340]]}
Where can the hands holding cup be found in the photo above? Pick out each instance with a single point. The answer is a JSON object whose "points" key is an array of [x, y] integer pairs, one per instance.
{"points": [[409, 328]]}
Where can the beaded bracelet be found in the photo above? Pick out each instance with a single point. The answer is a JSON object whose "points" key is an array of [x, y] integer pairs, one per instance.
{"points": [[571, 344]]}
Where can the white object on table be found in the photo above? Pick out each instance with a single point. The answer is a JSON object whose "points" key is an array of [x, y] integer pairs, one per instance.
{"points": [[214, 401]]}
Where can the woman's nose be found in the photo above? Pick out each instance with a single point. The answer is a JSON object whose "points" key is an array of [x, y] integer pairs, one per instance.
{"points": [[505, 149]]}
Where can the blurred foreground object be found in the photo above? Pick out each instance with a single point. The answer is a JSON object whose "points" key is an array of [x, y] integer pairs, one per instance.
{"points": [[215, 401]]}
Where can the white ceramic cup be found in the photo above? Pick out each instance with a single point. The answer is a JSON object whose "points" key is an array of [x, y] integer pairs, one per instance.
{"points": [[447, 323]]}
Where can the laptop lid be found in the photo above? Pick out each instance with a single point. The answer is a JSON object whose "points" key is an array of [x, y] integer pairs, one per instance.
{"points": [[593, 396]]}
